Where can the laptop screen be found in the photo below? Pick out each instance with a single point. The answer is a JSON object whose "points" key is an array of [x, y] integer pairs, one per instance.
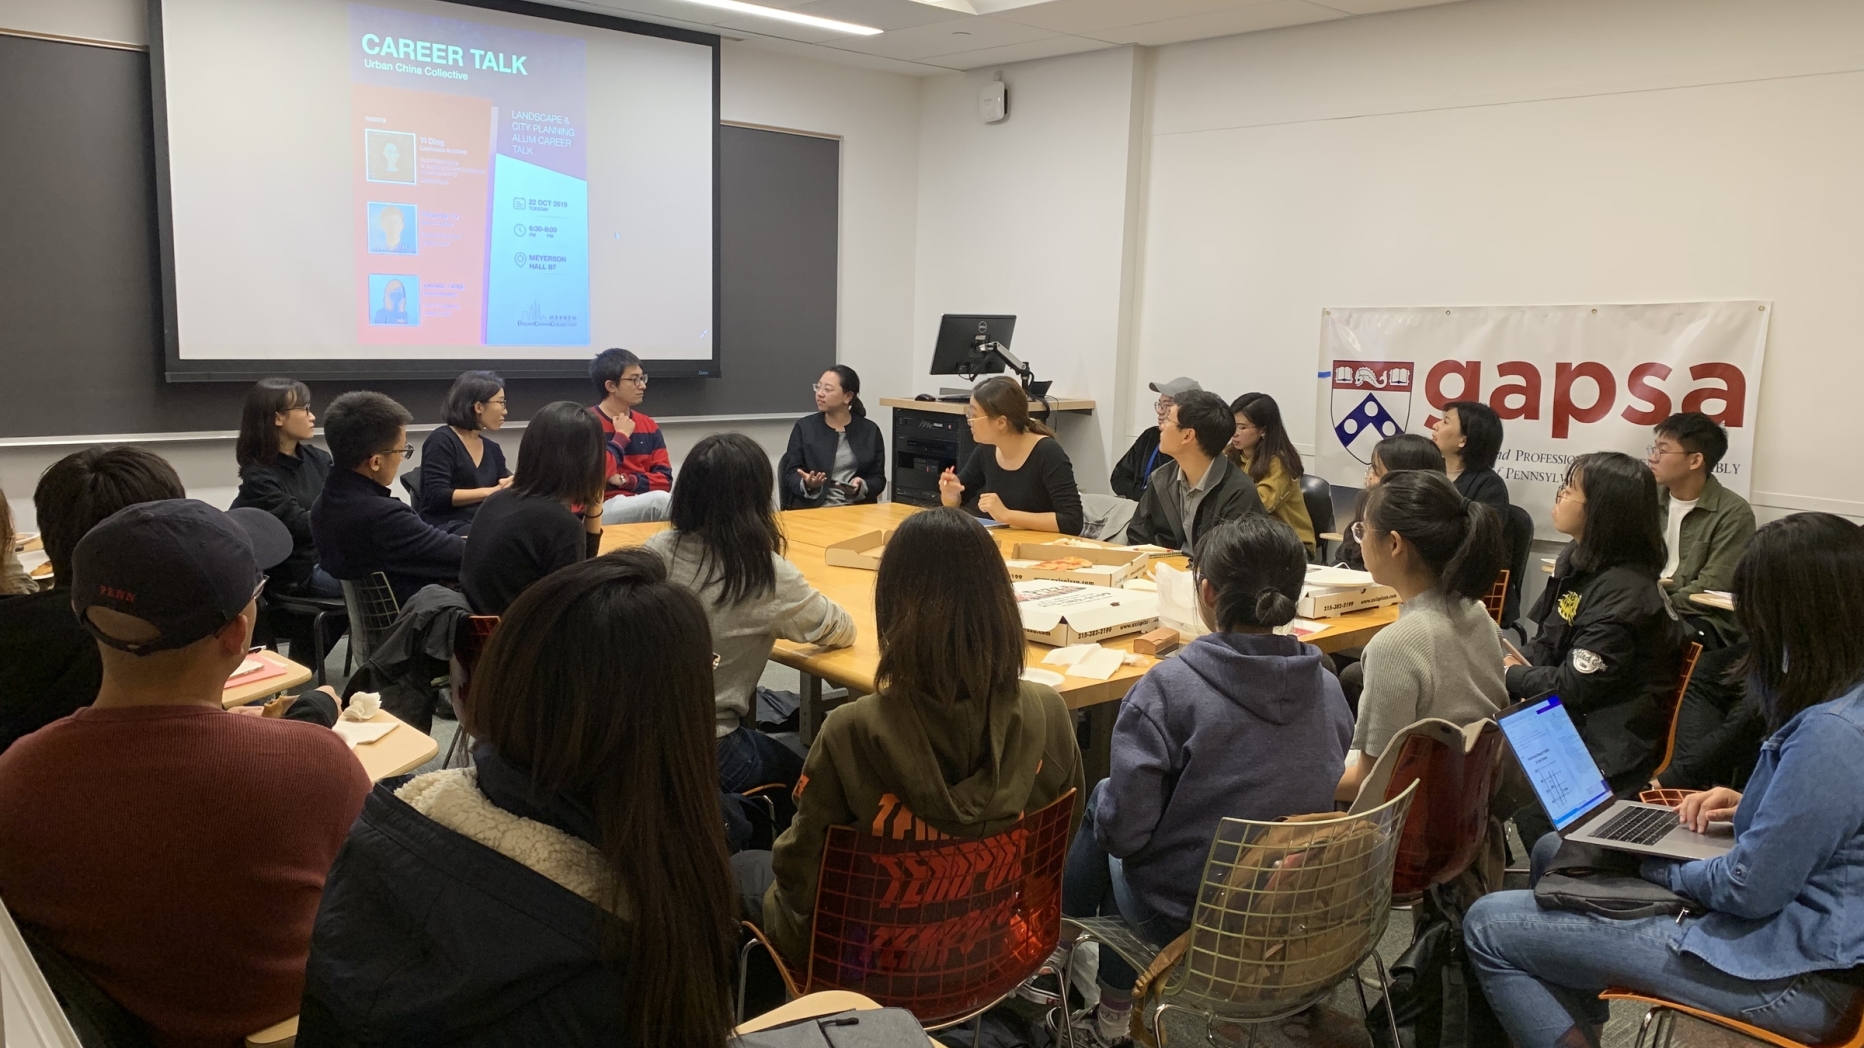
{"points": [[1564, 775]]}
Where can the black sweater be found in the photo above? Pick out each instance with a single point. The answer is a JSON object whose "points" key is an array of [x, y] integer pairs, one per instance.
{"points": [[1044, 484], [812, 448], [49, 666], [360, 528], [287, 489], [446, 466], [516, 540], [1486, 486], [1134, 470]]}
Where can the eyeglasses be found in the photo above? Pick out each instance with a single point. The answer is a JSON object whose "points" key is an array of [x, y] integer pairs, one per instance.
{"points": [[1360, 531], [971, 413], [500, 401], [1656, 451], [716, 659], [1565, 494], [404, 451], [1243, 427], [823, 387], [1163, 404], [635, 380]]}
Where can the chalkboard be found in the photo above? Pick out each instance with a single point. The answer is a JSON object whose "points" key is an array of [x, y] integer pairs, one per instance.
{"points": [[80, 302]]}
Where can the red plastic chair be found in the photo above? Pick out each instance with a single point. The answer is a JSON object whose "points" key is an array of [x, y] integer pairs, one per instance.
{"points": [[1691, 652], [468, 644], [1456, 770], [1496, 599], [943, 928]]}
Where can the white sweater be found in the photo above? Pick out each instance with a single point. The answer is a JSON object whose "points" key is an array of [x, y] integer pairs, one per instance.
{"points": [[1442, 658], [742, 633]]}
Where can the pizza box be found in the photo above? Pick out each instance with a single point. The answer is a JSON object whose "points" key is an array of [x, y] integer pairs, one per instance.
{"points": [[1104, 567], [1062, 613], [1336, 591], [861, 551]]}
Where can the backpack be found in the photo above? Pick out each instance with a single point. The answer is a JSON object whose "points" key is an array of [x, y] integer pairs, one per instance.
{"points": [[1433, 987]]}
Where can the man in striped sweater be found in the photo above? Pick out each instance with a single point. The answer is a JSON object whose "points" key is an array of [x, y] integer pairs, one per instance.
{"points": [[640, 476]]}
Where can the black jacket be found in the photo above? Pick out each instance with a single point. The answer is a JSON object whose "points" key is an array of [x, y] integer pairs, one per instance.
{"points": [[516, 540], [1132, 472], [360, 528], [425, 937], [1610, 647], [1157, 520], [287, 489], [812, 449], [447, 466], [49, 666], [1486, 486]]}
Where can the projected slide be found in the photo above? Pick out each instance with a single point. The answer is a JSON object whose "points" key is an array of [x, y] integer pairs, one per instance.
{"points": [[471, 190]]}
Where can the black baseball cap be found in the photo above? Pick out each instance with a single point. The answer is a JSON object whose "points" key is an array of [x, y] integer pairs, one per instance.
{"points": [[180, 565]]}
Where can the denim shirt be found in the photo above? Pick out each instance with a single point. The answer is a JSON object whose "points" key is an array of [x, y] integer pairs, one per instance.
{"points": [[1785, 900]]}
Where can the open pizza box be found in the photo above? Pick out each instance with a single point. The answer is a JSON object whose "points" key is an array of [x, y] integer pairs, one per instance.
{"points": [[861, 551], [1090, 564], [1336, 591], [1063, 613]]}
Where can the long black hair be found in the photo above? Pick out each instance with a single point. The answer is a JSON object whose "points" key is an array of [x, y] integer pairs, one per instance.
{"points": [[1408, 451], [1257, 565], [1458, 539], [598, 683], [850, 383], [1799, 595], [564, 455], [1274, 445], [258, 418], [948, 626], [722, 502], [1622, 521]]}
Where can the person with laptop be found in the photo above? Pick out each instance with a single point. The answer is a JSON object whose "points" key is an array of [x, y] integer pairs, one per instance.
{"points": [[1775, 937], [1133, 472], [1198, 487], [1608, 642]]}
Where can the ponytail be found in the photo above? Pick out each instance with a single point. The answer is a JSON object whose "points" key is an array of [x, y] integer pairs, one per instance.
{"points": [[857, 409], [1257, 565], [1002, 397], [851, 383], [1459, 540]]}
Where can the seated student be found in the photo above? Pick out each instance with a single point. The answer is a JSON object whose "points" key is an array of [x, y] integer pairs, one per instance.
{"points": [[460, 466], [1607, 642], [1197, 488], [725, 546], [175, 851], [1470, 436], [359, 525], [1706, 526], [1243, 724], [551, 515], [282, 473], [640, 475], [48, 663], [1019, 473], [14, 578], [1442, 658], [1261, 447], [1776, 937], [953, 744], [1402, 452], [570, 889], [836, 456], [1134, 470]]}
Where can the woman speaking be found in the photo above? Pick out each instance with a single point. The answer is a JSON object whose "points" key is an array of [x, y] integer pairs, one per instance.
{"points": [[836, 456]]}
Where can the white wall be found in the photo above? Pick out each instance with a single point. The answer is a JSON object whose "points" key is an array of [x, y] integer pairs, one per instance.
{"points": [[1536, 151], [1029, 216]]}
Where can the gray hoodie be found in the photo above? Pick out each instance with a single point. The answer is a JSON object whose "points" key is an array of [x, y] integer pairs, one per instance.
{"points": [[1240, 725]]}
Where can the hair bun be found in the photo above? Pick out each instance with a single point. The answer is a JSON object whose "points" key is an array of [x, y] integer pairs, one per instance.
{"points": [[1273, 608]]}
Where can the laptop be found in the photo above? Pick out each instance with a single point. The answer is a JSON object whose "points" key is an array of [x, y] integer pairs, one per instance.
{"points": [[1575, 796]]}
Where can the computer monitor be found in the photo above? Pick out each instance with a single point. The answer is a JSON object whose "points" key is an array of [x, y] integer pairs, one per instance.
{"points": [[961, 335]]}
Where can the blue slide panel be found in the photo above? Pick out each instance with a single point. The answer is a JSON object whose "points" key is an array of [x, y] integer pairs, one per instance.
{"points": [[537, 269]]}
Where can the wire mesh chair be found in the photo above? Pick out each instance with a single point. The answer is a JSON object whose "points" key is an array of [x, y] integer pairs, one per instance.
{"points": [[1691, 652], [942, 928], [1285, 911], [1496, 599], [468, 644], [373, 610]]}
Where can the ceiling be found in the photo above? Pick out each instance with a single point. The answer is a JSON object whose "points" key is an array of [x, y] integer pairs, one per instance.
{"points": [[925, 37]]}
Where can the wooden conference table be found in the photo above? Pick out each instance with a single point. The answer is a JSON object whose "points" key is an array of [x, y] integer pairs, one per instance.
{"points": [[400, 751], [810, 531]]}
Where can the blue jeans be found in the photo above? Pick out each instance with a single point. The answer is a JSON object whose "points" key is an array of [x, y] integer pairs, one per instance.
{"points": [[1094, 885], [747, 757], [636, 509], [1542, 971]]}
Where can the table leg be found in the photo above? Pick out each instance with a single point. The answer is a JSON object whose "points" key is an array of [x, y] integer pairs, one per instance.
{"points": [[811, 712]]}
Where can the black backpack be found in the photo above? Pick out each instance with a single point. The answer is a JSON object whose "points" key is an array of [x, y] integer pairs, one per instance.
{"points": [[1434, 993]]}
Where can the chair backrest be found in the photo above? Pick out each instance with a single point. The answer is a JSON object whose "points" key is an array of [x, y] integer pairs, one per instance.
{"points": [[943, 927], [1456, 771], [1496, 599], [372, 609], [1518, 533], [1106, 516], [1288, 908], [56, 1001], [468, 644], [1691, 652], [411, 483], [1317, 494]]}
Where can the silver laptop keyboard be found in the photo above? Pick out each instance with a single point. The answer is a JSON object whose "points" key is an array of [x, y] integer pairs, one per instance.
{"points": [[1638, 826]]}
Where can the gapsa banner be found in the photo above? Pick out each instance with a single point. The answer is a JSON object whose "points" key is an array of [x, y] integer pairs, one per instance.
{"points": [[1565, 380]]}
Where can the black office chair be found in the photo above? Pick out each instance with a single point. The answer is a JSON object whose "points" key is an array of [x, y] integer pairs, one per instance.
{"points": [[320, 610], [96, 1017], [373, 610], [411, 483], [1318, 495], [1518, 533]]}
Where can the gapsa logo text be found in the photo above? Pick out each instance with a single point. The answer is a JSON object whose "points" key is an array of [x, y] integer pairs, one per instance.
{"points": [[1588, 391]]}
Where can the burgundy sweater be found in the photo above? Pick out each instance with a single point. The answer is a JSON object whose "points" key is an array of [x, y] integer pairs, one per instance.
{"points": [[177, 855]]}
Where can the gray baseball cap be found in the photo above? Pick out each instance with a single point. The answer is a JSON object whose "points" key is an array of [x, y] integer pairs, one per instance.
{"points": [[1176, 387]]}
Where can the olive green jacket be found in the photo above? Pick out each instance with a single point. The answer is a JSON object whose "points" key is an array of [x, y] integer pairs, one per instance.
{"points": [[1714, 535]]}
